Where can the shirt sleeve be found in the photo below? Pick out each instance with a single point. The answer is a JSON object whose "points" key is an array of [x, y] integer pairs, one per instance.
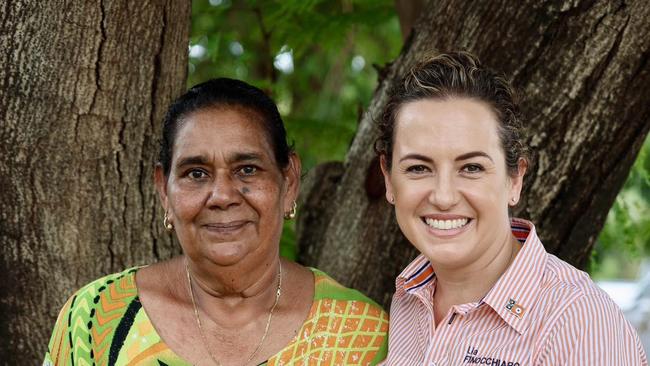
{"points": [[593, 331], [59, 347]]}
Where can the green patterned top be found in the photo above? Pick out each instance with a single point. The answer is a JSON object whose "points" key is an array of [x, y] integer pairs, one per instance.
{"points": [[104, 324]]}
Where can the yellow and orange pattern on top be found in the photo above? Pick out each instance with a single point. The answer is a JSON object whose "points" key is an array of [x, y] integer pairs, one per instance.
{"points": [[343, 328]]}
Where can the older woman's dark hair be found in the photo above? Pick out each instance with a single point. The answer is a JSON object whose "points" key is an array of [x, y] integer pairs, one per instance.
{"points": [[458, 74], [225, 93]]}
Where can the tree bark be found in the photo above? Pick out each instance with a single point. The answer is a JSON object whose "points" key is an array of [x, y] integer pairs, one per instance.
{"points": [[408, 12], [83, 89], [583, 69]]}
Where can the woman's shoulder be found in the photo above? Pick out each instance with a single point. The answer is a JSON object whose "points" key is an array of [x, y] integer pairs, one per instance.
{"points": [[327, 287], [116, 286], [89, 315], [110, 293], [343, 325], [113, 280], [569, 280], [580, 318], [565, 284], [586, 310]]}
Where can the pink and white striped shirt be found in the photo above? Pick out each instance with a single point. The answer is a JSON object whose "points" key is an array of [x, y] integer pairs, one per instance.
{"points": [[542, 311]]}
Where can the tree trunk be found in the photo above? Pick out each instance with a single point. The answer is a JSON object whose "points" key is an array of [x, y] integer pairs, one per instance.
{"points": [[83, 89], [583, 69], [408, 12]]}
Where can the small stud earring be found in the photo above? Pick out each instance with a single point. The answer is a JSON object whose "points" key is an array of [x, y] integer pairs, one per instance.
{"points": [[391, 199], [167, 223], [292, 213]]}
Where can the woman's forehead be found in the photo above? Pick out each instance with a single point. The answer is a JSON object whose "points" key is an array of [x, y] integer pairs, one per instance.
{"points": [[451, 124], [225, 132]]}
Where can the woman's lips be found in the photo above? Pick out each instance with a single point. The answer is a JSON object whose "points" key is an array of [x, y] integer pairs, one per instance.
{"points": [[446, 225], [225, 227]]}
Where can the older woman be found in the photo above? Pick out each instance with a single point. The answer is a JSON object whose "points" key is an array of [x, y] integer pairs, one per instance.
{"points": [[483, 290], [226, 179]]}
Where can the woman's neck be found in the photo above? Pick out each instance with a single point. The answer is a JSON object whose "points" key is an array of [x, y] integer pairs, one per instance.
{"points": [[232, 296], [455, 286]]}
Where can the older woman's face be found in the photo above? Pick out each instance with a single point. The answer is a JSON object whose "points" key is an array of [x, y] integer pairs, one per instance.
{"points": [[225, 193], [449, 181]]}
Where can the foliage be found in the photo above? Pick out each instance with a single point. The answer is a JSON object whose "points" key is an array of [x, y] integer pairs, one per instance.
{"points": [[311, 56], [314, 56], [625, 239]]}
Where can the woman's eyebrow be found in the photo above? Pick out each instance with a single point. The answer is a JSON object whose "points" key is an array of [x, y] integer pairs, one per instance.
{"points": [[244, 156], [192, 160], [202, 160], [473, 154], [416, 157], [465, 156]]}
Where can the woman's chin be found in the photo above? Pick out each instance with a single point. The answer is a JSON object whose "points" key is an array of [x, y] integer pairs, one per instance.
{"points": [[226, 254], [448, 255]]}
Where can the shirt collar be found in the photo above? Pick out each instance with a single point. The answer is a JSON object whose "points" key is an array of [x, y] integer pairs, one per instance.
{"points": [[516, 291], [415, 276]]}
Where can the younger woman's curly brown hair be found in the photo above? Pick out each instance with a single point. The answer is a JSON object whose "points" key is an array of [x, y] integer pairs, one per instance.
{"points": [[457, 75]]}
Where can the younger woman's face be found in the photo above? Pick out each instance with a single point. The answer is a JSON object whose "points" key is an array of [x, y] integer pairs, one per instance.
{"points": [[449, 181]]}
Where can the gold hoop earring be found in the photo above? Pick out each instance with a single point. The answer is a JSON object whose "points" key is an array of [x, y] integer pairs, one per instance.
{"points": [[167, 223], [292, 213]]}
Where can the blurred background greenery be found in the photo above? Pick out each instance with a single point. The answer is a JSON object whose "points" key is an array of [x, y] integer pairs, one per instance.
{"points": [[319, 60], [624, 243]]}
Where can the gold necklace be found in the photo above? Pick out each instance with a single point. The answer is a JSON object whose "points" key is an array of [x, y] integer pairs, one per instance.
{"points": [[198, 318]]}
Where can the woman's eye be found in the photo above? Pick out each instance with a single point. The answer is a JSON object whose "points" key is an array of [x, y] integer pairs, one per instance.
{"points": [[417, 169], [472, 168], [248, 170], [196, 174]]}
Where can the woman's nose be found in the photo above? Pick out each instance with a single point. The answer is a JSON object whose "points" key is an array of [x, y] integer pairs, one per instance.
{"points": [[223, 192], [444, 194]]}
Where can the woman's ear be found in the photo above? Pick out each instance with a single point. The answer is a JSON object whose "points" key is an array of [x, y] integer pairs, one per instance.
{"points": [[160, 181], [292, 179], [517, 182], [385, 171]]}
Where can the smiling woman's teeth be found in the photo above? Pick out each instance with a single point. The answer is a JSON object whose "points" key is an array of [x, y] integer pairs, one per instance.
{"points": [[445, 224]]}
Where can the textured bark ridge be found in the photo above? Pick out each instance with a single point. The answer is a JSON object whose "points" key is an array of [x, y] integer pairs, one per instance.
{"points": [[582, 67], [83, 88]]}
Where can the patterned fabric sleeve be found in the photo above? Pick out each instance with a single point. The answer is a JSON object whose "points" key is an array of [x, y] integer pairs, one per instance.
{"points": [[84, 329], [58, 350]]}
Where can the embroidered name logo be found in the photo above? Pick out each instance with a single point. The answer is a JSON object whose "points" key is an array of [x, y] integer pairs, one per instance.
{"points": [[473, 356], [515, 308]]}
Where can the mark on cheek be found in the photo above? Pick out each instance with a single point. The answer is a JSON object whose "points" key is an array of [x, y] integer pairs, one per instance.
{"points": [[245, 190]]}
